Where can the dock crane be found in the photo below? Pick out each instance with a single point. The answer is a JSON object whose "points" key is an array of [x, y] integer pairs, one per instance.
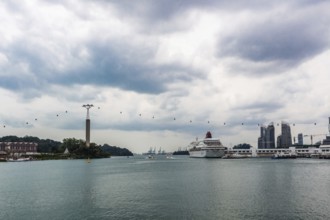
{"points": [[313, 135]]}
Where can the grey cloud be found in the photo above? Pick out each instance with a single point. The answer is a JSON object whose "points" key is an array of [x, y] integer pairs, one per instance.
{"points": [[155, 125], [253, 114], [165, 9], [29, 68], [112, 64], [251, 122], [281, 41], [126, 68], [12, 121], [262, 106], [117, 64], [151, 11], [286, 43], [163, 16]]}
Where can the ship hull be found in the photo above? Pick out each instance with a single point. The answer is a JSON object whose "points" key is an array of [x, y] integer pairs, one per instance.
{"points": [[207, 153]]}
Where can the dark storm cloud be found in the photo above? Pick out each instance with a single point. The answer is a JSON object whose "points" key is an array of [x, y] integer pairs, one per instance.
{"points": [[112, 64], [165, 9], [126, 68], [286, 40], [299, 31], [164, 16], [27, 68], [117, 64], [152, 11], [34, 62], [290, 43]]}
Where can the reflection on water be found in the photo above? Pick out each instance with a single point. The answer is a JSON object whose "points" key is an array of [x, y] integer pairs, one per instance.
{"points": [[183, 188]]}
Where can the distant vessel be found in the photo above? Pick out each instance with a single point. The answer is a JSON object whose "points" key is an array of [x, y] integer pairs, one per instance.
{"points": [[150, 157], [150, 152], [236, 156], [207, 148], [169, 156], [284, 156], [18, 159]]}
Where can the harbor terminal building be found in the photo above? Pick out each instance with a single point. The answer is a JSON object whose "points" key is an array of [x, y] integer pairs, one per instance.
{"points": [[268, 145]]}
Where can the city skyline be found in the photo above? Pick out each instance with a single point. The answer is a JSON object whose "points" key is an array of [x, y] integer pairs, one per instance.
{"points": [[162, 73]]}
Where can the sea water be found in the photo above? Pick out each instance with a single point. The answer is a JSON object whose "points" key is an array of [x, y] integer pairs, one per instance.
{"points": [[160, 188]]}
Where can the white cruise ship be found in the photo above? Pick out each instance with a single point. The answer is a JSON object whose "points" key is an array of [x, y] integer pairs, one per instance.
{"points": [[207, 148]]}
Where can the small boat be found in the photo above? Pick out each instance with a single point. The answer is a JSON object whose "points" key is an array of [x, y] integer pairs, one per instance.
{"points": [[150, 157], [18, 159], [315, 156], [169, 156], [284, 156], [236, 156]]}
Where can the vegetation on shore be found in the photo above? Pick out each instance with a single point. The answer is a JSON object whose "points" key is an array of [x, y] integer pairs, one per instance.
{"points": [[242, 146], [50, 149], [116, 151], [181, 152]]}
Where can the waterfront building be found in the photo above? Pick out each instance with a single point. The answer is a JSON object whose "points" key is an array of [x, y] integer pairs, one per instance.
{"points": [[18, 147]]}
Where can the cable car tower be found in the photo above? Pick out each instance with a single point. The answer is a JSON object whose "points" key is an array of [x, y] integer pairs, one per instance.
{"points": [[88, 124]]}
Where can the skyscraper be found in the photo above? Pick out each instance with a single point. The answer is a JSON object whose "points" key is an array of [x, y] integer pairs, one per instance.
{"points": [[262, 138], [284, 140], [300, 139], [279, 141], [270, 136], [326, 141], [267, 136]]}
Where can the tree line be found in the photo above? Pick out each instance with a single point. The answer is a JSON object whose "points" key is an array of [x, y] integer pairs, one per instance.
{"points": [[242, 146], [75, 147]]}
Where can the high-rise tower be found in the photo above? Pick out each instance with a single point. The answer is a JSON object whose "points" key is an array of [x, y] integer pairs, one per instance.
{"points": [[285, 137], [262, 138], [267, 137], [300, 139], [270, 136]]}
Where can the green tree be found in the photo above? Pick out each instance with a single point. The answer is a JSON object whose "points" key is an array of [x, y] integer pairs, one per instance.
{"points": [[242, 146], [78, 149], [71, 143], [10, 138], [116, 151]]}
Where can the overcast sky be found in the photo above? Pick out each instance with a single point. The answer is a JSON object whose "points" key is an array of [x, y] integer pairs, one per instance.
{"points": [[223, 66]]}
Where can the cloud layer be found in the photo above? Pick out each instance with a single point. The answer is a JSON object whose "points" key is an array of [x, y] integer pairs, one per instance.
{"points": [[201, 61]]}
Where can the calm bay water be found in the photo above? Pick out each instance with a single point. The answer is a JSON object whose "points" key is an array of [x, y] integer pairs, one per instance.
{"points": [[180, 188]]}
